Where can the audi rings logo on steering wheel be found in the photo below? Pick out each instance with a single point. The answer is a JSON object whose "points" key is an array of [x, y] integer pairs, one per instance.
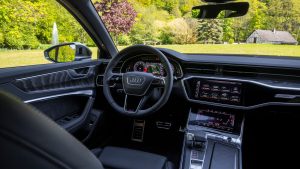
{"points": [[135, 80]]}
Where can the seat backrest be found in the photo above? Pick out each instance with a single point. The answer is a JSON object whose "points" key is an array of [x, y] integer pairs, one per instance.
{"points": [[30, 140]]}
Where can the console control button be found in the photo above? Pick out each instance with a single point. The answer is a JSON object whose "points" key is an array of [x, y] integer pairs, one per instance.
{"points": [[215, 96], [204, 95], [236, 90], [225, 96], [205, 87], [215, 88], [235, 99], [225, 89]]}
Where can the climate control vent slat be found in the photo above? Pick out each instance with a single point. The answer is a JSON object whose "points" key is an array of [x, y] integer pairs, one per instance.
{"points": [[202, 68], [240, 70]]}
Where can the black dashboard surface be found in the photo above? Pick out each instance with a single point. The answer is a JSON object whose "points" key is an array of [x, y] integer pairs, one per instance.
{"points": [[250, 60], [264, 80]]}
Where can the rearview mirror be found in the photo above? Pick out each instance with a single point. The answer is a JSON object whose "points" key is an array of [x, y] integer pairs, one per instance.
{"points": [[68, 52], [220, 10]]}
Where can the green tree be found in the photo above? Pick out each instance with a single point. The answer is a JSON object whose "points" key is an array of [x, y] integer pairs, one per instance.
{"points": [[257, 16], [240, 28], [182, 31], [18, 27], [284, 15], [149, 24], [27, 23], [228, 31], [210, 31], [1, 39], [186, 6]]}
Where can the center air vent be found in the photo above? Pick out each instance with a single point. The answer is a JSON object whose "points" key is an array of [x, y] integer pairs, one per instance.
{"points": [[209, 69], [259, 71], [239, 71]]}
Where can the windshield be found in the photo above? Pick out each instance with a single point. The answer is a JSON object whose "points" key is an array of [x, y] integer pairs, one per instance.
{"points": [[271, 27]]}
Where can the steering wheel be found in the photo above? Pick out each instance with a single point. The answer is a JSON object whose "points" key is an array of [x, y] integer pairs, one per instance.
{"points": [[138, 84]]}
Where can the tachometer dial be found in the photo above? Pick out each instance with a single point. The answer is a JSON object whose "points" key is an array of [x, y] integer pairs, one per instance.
{"points": [[139, 66], [163, 71]]}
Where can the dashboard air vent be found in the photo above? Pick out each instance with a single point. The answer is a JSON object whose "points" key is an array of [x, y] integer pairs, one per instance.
{"points": [[259, 71], [209, 69], [239, 71]]}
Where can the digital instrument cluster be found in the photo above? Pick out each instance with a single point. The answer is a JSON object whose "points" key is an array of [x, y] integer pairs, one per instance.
{"points": [[150, 67], [150, 64]]}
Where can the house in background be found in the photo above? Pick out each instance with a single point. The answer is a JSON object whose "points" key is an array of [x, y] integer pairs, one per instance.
{"points": [[272, 37]]}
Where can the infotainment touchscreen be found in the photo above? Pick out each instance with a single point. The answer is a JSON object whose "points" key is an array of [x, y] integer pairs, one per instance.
{"points": [[217, 91]]}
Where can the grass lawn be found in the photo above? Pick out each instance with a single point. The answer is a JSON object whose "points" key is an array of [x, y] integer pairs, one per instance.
{"points": [[12, 58]]}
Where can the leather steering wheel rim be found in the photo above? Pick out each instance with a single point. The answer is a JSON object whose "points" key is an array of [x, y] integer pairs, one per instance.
{"points": [[168, 80]]}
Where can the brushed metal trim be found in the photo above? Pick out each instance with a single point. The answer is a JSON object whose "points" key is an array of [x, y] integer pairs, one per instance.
{"points": [[80, 93]]}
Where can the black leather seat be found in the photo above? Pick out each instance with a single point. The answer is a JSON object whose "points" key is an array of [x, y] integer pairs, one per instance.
{"points": [[29, 139], [123, 158]]}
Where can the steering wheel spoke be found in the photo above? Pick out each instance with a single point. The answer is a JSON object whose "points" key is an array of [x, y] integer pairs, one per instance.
{"points": [[115, 77], [142, 102], [159, 82]]}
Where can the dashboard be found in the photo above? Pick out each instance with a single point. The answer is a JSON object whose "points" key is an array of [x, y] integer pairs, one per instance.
{"points": [[150, 64], [220, 88], [238, 82]]}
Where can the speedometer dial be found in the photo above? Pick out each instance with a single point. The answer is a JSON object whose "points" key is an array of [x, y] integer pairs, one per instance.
{"points": [[139, 66]]}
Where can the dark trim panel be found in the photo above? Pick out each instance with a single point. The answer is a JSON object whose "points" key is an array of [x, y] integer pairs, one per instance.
{"points": [[8, 75], [77, 123], [61, 80]]}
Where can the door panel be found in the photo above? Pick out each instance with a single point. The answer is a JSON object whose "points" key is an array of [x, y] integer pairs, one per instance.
{"points": [[9, 79], [63, 92], [69, 111], [60, 80]]}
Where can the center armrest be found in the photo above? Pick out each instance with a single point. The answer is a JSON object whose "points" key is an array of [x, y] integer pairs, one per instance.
{"points": [[116, 157]]}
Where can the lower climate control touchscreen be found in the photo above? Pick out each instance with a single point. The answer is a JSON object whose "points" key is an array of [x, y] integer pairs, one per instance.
{"points": [[214, 119]]}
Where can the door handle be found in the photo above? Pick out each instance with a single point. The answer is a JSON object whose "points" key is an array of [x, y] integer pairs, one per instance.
{"points": [[79, 73]]}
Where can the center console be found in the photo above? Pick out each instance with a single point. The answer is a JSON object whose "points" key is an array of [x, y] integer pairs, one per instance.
{"points": [[213, 139]]}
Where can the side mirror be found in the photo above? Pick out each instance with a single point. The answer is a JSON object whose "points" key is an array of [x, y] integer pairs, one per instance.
{"points": [[220, 10], [68, 52]]}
